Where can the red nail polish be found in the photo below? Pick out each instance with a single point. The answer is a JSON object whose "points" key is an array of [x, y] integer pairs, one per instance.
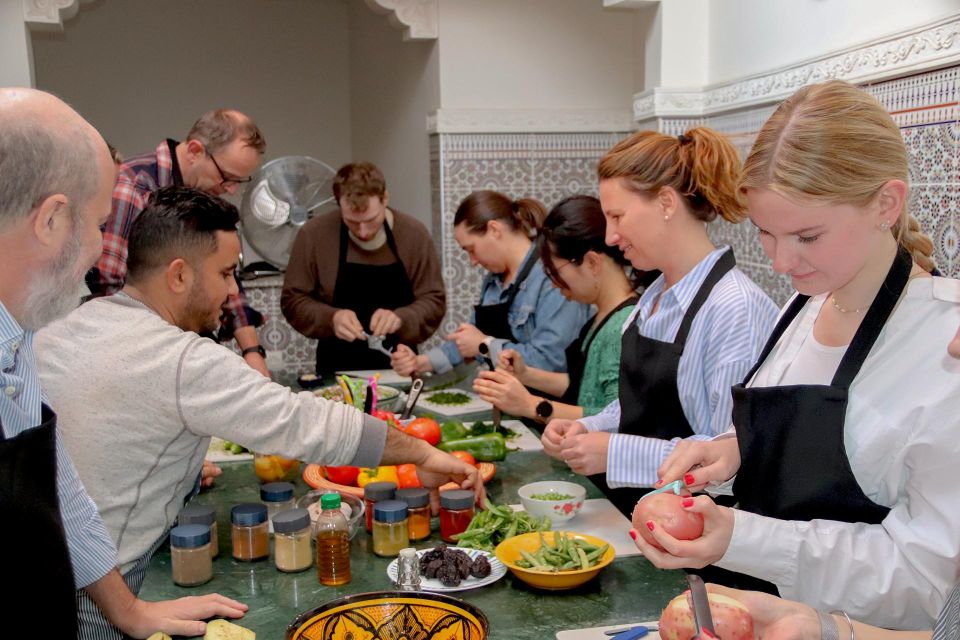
{"points": [[659, 482], [688, 479], [633, 534], [687, 502], [650, 525]]}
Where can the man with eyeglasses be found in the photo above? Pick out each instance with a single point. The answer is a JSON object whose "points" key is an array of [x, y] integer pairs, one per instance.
{"points": [[223, 148]]}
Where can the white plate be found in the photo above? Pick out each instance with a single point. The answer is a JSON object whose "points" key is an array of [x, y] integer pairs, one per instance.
{"points": [[474, 405], [497, 571], [216, 453]]}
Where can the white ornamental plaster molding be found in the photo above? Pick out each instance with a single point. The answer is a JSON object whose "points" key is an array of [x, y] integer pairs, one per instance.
{"points": [[417, 18], [49, 15], [922, 49], [529, 120], [629, 4]]}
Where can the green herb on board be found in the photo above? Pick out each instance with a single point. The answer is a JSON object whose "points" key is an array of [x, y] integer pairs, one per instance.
{"points": [[451, 398]]}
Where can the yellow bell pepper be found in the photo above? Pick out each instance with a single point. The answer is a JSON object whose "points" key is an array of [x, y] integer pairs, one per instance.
{"points": [[377, 474]]}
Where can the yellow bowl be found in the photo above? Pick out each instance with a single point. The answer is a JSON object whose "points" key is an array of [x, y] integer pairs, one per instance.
{"points": [[383, 615], [508, 552]]}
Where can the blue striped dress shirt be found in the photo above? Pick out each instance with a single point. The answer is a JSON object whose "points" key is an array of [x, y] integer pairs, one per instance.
{"points": [[92, 552], [725, 340]]}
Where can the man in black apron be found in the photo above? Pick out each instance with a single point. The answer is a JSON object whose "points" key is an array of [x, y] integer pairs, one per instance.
{"points": [[649, 401]]}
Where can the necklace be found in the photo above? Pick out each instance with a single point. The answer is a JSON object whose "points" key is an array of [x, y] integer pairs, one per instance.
{"points": [[836, 305]]}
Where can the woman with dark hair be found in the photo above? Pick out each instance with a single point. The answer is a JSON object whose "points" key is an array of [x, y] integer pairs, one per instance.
{"points": [[586, 270], [519, 309]]}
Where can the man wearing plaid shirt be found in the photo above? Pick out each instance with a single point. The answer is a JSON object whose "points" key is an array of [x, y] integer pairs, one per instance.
{"points": [[222, 150]]}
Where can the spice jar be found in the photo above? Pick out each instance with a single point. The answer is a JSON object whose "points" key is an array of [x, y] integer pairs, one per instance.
{"points": [[333, 542], [190, 558], [249, 532], [456, 512], [276, 497], [291, 540], [373, 493], [202, 514], [418, 512], [390, 527]]}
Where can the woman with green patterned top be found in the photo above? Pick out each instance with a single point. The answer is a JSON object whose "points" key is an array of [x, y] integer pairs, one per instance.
{"points": [[586, 270]]}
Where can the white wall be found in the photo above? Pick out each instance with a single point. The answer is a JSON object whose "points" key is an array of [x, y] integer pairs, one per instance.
{"points": [[752, 36], [537, 54], [393, 86], [15, 60], [142, 70]]}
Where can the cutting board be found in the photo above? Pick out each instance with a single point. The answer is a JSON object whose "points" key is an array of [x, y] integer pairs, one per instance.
{"points": [[216, 453], [526, 440], [474, 405], [601, 519], [597, 633], [387, 376]]}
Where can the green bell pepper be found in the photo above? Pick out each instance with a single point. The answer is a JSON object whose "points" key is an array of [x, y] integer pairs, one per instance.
{"points": [[488, 447], [453, 430]]}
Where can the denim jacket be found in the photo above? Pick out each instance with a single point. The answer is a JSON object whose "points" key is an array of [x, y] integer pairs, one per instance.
{"points": [[543, 321]]}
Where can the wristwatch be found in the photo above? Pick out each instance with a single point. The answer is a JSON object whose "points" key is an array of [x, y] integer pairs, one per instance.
{"points": [[255, 349], [544, 410]]}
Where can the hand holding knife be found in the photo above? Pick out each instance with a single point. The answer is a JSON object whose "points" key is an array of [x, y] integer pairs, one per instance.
{"points": [[702, 619]]}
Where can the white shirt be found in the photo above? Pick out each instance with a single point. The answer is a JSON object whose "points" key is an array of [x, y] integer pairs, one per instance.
{"points": [[902, 437]]}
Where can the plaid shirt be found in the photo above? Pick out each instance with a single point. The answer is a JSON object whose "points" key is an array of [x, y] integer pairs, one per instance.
{"points": [[137, 178]]}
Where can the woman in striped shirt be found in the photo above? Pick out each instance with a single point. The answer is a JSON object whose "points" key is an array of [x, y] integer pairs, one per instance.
{"points": [[696, 330]]}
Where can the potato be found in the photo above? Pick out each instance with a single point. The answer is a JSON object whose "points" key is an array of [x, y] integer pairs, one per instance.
{"points": [[159, 635], [731, 620], [223, 630], [666, 511]]}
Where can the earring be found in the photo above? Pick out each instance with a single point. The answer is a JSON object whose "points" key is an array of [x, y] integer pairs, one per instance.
{"points": [[884, 226]]}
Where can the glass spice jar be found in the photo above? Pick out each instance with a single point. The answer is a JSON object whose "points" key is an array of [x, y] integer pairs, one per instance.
{"points": [[249, 532], [291, 540], [276, 497], [373, 493], [418, 512], [190, 559], [390, 527], [456, 512], [204, 514]]}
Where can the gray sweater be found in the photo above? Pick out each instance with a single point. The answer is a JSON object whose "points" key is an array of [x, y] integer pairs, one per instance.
{"points": [[137, 400]]}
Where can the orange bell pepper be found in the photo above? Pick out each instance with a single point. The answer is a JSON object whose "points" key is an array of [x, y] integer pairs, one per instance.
{"points": [[407, 476]]}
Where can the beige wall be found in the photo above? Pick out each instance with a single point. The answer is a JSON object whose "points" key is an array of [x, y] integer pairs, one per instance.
{"points": [[393, 86], [537, 54], [14, 46], [141, 70]]}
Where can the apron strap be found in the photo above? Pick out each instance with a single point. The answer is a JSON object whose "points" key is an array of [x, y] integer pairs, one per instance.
{"points": [[725, 263], [873, 322], [781, 326], [514, 287]]}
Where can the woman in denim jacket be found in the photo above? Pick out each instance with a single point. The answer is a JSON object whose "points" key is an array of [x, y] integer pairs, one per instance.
{"points": [[519, 308]]}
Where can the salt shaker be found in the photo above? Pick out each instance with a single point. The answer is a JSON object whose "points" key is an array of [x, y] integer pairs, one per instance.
{"points": [[408, 570]]}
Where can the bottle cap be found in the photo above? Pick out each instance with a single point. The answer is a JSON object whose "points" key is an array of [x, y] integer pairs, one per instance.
{"points": [[414, 497], [330, 501], [276, 492], [197, 514], [190, 536], [457, 499], [291, 520], [390, 511], [248, 514], [376, 491]]}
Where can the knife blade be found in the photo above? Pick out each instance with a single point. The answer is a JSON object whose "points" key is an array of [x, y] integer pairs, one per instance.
{"points": [[701, 608]]}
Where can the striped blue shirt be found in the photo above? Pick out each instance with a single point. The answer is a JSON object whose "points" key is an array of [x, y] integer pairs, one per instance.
{"points": [[92, 552], [725, 340]]}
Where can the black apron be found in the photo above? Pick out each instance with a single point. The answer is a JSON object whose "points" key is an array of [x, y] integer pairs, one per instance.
{"points": [[649, 401], [493, 319], [363, 288], [38, 562], [579, 350], [793, 462]]}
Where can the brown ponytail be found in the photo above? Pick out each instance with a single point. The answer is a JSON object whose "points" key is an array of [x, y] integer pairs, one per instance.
{"points": [[701, 165], [834, 143], [480, 207]]}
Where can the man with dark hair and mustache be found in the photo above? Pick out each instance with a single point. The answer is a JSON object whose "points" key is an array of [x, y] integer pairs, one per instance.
{"points": [[56, 177], [152, 391]]}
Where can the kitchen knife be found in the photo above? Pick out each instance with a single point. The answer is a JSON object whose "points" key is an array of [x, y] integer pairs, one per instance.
{"points": [[412, 398], [701, 608]]}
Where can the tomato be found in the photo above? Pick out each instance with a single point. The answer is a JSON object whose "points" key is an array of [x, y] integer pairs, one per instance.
{"points": [[387, 416], [466, 457], [425, 429], [407, 476], [343, 475], [666, 511], [731, 619]]}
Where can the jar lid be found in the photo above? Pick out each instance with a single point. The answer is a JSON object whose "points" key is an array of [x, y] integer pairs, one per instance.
{"points": [[379, 491], [291, 520], [457, 499], [276, 492], [414, 497], [330, 501], [190, 536], [390, 511], [197, 514], [248, 514]]}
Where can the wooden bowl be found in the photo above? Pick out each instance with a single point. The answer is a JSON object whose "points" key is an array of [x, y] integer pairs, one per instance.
{"points": [[384, 615], [313, 476]]}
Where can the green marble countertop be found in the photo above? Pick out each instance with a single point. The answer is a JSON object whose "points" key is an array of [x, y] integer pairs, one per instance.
{"points": [[628, 590]]}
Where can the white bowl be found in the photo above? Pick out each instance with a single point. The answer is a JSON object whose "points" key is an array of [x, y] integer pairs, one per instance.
{"points": [[557, 510]]}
